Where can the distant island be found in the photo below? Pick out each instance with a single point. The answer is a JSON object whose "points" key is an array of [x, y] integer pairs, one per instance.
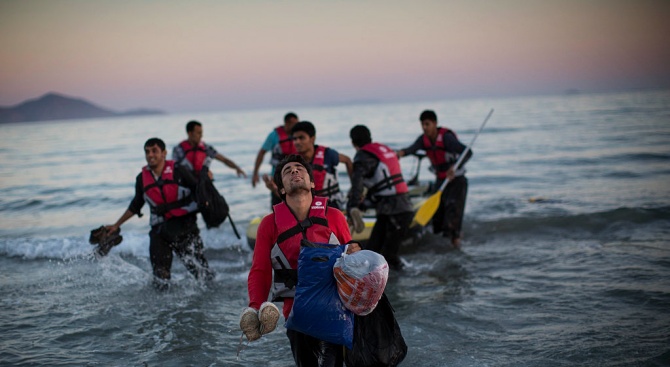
{"points": [[54, 106]]}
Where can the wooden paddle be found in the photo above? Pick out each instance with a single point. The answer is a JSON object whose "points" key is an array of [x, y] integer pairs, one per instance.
{"points": [[428, 209]]}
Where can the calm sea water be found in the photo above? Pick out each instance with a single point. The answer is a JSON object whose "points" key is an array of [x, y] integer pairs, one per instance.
{"points": [[565, 260]]}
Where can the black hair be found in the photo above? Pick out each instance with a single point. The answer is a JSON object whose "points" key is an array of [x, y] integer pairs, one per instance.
{"points": [[305, 126], [288, 159], [190, 126], [428, 115], [155, 141], [290, 115], [360, 135]]}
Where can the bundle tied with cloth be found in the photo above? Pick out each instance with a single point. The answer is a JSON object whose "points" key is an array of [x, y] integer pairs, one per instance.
{"points": [[104, 240]]}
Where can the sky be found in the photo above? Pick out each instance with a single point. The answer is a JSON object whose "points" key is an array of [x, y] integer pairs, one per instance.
{"points": [[200, 56]]}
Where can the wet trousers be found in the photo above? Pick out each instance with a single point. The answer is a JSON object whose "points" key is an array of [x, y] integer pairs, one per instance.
{"points": [[311, 352], [448, 218], [182, 238], [387, 234]]}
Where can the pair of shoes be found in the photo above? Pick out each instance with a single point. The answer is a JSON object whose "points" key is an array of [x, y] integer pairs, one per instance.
{"points": [[255, 324], [105, 241]]}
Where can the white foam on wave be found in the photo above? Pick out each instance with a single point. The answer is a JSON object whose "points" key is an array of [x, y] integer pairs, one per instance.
{"points": [[134, 243]]}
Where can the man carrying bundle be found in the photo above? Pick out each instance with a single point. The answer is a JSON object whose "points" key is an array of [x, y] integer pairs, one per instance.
{"points": [[300, 215]]}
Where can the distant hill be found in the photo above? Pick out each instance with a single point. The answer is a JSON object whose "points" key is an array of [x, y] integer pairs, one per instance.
{"points": [[53, 106]]}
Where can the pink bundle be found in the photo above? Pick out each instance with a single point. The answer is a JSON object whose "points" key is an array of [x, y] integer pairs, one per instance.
{"points": [[361, 280]]}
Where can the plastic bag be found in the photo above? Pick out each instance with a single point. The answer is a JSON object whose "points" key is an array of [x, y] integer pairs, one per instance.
{"points": [[378, 341], [317, 309], [361, 280]]}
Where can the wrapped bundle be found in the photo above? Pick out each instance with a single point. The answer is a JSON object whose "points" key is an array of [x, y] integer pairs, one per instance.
{"points": [[361, 279]]}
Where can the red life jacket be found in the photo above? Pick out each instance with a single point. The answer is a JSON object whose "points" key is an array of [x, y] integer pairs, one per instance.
{"points": [[286, 249], [387, 179], [285, 146], [325, 183], [437, 153], [166, 191], [195, 155]]}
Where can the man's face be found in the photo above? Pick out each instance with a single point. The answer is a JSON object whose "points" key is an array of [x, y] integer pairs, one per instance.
{"points": [[294, 177], [196, 135], [429, 128], [302, 141], [154, 155]]}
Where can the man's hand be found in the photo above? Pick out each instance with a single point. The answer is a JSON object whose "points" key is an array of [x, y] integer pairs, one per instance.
{"points": [[451, 173], [353, 247], [254, 179], [356, 223], [270, 184], [111, 229]]}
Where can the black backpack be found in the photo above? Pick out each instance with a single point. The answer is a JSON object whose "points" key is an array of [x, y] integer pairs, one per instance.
{"points": [[211, 204]]}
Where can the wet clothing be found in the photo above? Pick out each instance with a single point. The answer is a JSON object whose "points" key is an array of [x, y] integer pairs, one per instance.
{"points": [[448, 218], [324, 168], [444, 153], [309, 352], [394, 209], [182, 238], [260, 281], [193, 157], [177, 233]]}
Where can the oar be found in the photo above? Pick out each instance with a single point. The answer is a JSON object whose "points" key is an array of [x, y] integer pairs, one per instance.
{"points": [[234, 228], [428, 209]]}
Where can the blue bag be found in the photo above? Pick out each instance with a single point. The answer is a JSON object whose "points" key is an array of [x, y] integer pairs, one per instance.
{"points": [[317, 309]]}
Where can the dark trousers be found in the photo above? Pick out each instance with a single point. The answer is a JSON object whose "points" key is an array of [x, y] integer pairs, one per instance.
{"points": [[448, 218], [311, 352], [181, 236], [387, 234]]}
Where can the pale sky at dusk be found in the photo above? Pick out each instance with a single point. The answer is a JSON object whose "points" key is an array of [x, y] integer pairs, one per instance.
{"points": [[196, 56]]}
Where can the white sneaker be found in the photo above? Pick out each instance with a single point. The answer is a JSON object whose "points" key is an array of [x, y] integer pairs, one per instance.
{"points": [[268, 315], [250, 324]]}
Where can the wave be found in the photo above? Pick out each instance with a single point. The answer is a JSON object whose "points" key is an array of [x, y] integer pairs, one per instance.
{"points": [[596, 223], [58, 204], [135, 243]]}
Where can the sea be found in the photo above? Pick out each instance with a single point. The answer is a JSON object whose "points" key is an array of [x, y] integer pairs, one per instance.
{"points": [[565, 258]]}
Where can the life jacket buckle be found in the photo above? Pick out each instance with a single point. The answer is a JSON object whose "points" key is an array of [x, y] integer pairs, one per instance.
{"points": [[306, 224]]}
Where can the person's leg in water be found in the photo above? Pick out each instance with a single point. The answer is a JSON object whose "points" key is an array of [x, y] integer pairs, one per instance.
{"points": [[310, 352], [396, 232], [438, 217], [454, 198], [160, 255], [189, 248], [378, 235]]}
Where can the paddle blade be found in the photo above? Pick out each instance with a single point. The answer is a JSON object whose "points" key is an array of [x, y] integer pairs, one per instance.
{"points": [[427, 210]]}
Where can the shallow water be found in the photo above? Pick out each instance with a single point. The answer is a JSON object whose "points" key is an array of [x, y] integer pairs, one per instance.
{"points": [[565, 260]]}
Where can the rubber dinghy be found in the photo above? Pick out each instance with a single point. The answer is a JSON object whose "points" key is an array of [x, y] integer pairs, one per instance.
{"points": [[417, 194]]}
